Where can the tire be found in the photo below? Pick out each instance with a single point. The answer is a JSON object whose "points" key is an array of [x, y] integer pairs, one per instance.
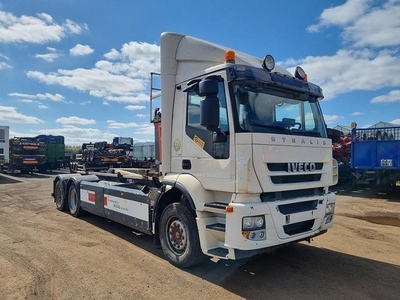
{"points": [[59, 198], [74, 203], [179, 236]]}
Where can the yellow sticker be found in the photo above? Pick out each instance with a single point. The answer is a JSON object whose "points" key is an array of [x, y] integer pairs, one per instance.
{"points": [[199, 141]]}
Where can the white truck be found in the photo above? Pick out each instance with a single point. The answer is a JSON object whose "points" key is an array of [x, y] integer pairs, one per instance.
{"points": [[245, 159]]}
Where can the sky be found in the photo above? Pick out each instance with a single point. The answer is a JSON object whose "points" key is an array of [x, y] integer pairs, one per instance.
{"points": [[81, 69]]}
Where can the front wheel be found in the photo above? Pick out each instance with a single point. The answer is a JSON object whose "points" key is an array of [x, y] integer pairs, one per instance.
{"points": [[74, 203], [178, 236]]}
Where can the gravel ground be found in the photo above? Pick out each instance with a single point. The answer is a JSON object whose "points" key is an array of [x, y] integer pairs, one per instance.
{"points": [[47, 254]]}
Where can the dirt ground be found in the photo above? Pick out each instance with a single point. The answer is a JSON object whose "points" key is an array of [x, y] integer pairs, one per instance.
{"points": [[47, 254]]}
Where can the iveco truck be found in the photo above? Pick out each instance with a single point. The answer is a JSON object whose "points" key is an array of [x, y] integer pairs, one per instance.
{"points": [[244, 159]]}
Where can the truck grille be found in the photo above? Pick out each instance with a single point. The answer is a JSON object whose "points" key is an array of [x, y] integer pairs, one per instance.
{"points": [[285, 195], [295, 178], [297, 207]]}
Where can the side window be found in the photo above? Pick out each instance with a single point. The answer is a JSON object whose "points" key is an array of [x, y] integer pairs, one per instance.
{"points": [[193, 109], [215, 143], [309, 118]]}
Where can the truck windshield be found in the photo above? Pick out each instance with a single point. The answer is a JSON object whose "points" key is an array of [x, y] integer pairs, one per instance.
{"points": [[267, 110]]}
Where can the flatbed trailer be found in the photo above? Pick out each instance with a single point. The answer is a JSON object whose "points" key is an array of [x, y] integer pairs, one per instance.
{"points": [[375, 155]]}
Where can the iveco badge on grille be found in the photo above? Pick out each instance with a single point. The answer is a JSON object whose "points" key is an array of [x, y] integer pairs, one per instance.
{"points": [[300, 167]]}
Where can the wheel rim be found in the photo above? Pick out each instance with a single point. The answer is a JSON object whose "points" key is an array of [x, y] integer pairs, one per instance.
{"points": [[72, 200], [177, 235]]}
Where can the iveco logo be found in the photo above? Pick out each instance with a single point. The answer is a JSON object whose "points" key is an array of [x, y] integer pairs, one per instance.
{"points": [[300, 167]]}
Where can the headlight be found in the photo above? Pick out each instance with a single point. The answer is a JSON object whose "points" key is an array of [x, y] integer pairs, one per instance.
{"points": [[330, 208], [253, 228], [253, 223]]}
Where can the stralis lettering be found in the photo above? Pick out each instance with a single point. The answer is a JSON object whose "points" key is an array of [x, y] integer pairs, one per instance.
{"points": [[300, 167], [301, 141]]}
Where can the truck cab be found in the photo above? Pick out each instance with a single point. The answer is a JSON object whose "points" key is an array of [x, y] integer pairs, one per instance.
{"points": [[246, 144]]}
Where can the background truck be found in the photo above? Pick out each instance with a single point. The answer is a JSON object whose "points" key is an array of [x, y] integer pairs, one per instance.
{"points": [[245, 159]]}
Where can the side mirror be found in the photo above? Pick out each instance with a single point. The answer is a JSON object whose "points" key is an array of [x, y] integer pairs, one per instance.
{"points": [[209, 106], [208, 87]]}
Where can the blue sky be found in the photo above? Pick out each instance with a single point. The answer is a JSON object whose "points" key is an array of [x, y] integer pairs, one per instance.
{"points": [[81, 68]]}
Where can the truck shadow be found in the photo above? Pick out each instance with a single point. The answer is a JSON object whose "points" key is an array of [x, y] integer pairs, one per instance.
{"points": [[299, 271], [305, 272], [7, 179], [12, 176]]}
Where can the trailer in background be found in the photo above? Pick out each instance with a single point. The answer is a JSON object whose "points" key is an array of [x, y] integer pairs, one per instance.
{"points": [[26, 154], [54, 151], [375, 155]]}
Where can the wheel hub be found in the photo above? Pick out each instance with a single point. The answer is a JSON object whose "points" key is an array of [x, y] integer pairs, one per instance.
{"points": [[177, 235]]}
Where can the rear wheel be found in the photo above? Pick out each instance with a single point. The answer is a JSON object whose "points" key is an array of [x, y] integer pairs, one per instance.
{"points": [[179, 236], [74, 203], [59, 198]]}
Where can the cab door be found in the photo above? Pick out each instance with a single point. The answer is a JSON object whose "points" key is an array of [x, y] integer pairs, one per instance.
{"points": [[206, 152]]}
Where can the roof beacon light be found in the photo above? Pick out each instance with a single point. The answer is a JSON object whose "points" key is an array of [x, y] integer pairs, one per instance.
{"points": [[230, 56], [300, 74], [268, 63]]}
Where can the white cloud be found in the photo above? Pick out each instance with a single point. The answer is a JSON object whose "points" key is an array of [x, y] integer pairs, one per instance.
{"points": [[392, 96], [81, 50], [77, 135], [112, 55], [135, 107], [140, 115], [10, 114], [97, 83], [45, 96], [331, 119], [396, 121], [364, 25], [50, 56], [38, 30], [75, 120], [378, 28], [351, 70], [145, 130], [123, 78], [113, 124], [341, 15], [357, 113], [4, 65]]}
